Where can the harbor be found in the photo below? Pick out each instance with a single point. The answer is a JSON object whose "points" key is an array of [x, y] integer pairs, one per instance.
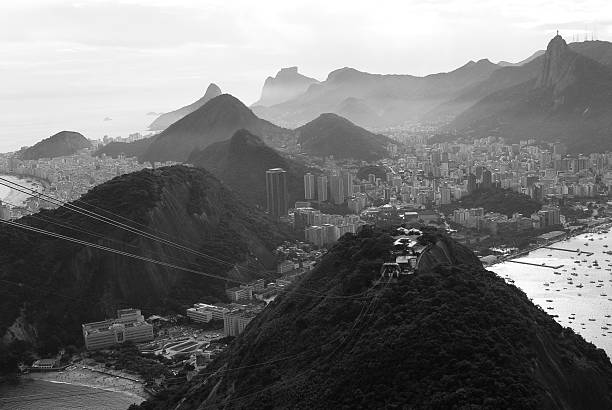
{"points": [[573, 286]]}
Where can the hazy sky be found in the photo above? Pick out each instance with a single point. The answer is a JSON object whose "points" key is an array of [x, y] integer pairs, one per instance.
{"points": [[66, 63]]}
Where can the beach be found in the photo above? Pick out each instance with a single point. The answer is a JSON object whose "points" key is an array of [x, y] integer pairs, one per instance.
{"points": [[14, 197], [75, 387]]}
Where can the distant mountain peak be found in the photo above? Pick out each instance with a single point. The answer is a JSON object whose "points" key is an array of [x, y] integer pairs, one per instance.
{"points": [[212, 91], [557, 71], [331, 134], [481, 61], [287, 84], [165, 120], [343, 74], [217, 120], [289, 71]]}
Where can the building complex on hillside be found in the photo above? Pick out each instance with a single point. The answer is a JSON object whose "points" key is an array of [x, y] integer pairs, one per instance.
{"points": [[128, 326], [245, 292], [203, 313], [235, 321]]}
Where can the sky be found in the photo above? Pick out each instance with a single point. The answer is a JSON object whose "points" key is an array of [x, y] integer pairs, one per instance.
{"points": [[73, 64]]}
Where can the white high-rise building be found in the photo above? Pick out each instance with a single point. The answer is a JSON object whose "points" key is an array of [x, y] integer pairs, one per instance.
{"points": [[309, 186]]}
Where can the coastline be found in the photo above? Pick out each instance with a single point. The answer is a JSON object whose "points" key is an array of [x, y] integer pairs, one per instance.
{"points": [[77, 375], [17, 198], [606, 224]]}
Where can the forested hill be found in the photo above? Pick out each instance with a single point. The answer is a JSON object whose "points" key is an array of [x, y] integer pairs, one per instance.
{"points": [[241, 162], [453, 335], [503, 201], [57, 145], [54, 286]]}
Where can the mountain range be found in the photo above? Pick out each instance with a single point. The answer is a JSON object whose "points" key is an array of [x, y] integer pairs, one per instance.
{"points": [[456, 101], [570, 100], [218, 119], [453, 335], [215, 121], [241, 163], [54, 286], [330, 134], [165, 120], [387, 99], [58, 145]]}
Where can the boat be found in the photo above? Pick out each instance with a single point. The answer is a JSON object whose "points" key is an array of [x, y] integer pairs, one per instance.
{"points": [[579, 286]]}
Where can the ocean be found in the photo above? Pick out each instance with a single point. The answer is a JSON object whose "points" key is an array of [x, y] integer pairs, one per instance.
{"points": [[45, 395], [579, 294]]}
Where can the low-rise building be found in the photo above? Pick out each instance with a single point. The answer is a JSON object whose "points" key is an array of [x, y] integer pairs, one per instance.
{"points": [[45, 364], [128, 326], [203, 313], [239, 293]]}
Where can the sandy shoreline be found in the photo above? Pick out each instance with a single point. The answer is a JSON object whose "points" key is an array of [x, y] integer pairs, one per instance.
{"points": [[14, 197], [80, 376]]}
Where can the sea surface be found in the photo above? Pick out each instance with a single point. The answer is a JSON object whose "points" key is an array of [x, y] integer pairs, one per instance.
{"points": [[579, 292], [45, 395], [13, 197]]}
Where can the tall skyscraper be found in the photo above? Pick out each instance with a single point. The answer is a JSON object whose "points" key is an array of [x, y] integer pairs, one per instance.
{"points": [[276, 192], [309, 186], [486, 178], [336, 188], [347, 183], [322, 188], [471, 186]]}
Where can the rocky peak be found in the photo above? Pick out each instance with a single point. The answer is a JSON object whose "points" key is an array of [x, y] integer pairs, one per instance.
{"points": [[557, 71], [287, 84], [288, 72], [212, 91]]}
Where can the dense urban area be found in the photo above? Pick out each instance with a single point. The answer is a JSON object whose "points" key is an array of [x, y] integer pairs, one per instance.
{"points": [[495, 197]]}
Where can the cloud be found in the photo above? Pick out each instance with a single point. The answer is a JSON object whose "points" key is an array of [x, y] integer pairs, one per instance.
{"points": [[106, 24]]}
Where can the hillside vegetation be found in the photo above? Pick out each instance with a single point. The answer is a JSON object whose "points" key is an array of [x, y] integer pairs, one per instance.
{"points": [[58, 145], [241, 163], [503, 201], [54, 286], [453, 335]]}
